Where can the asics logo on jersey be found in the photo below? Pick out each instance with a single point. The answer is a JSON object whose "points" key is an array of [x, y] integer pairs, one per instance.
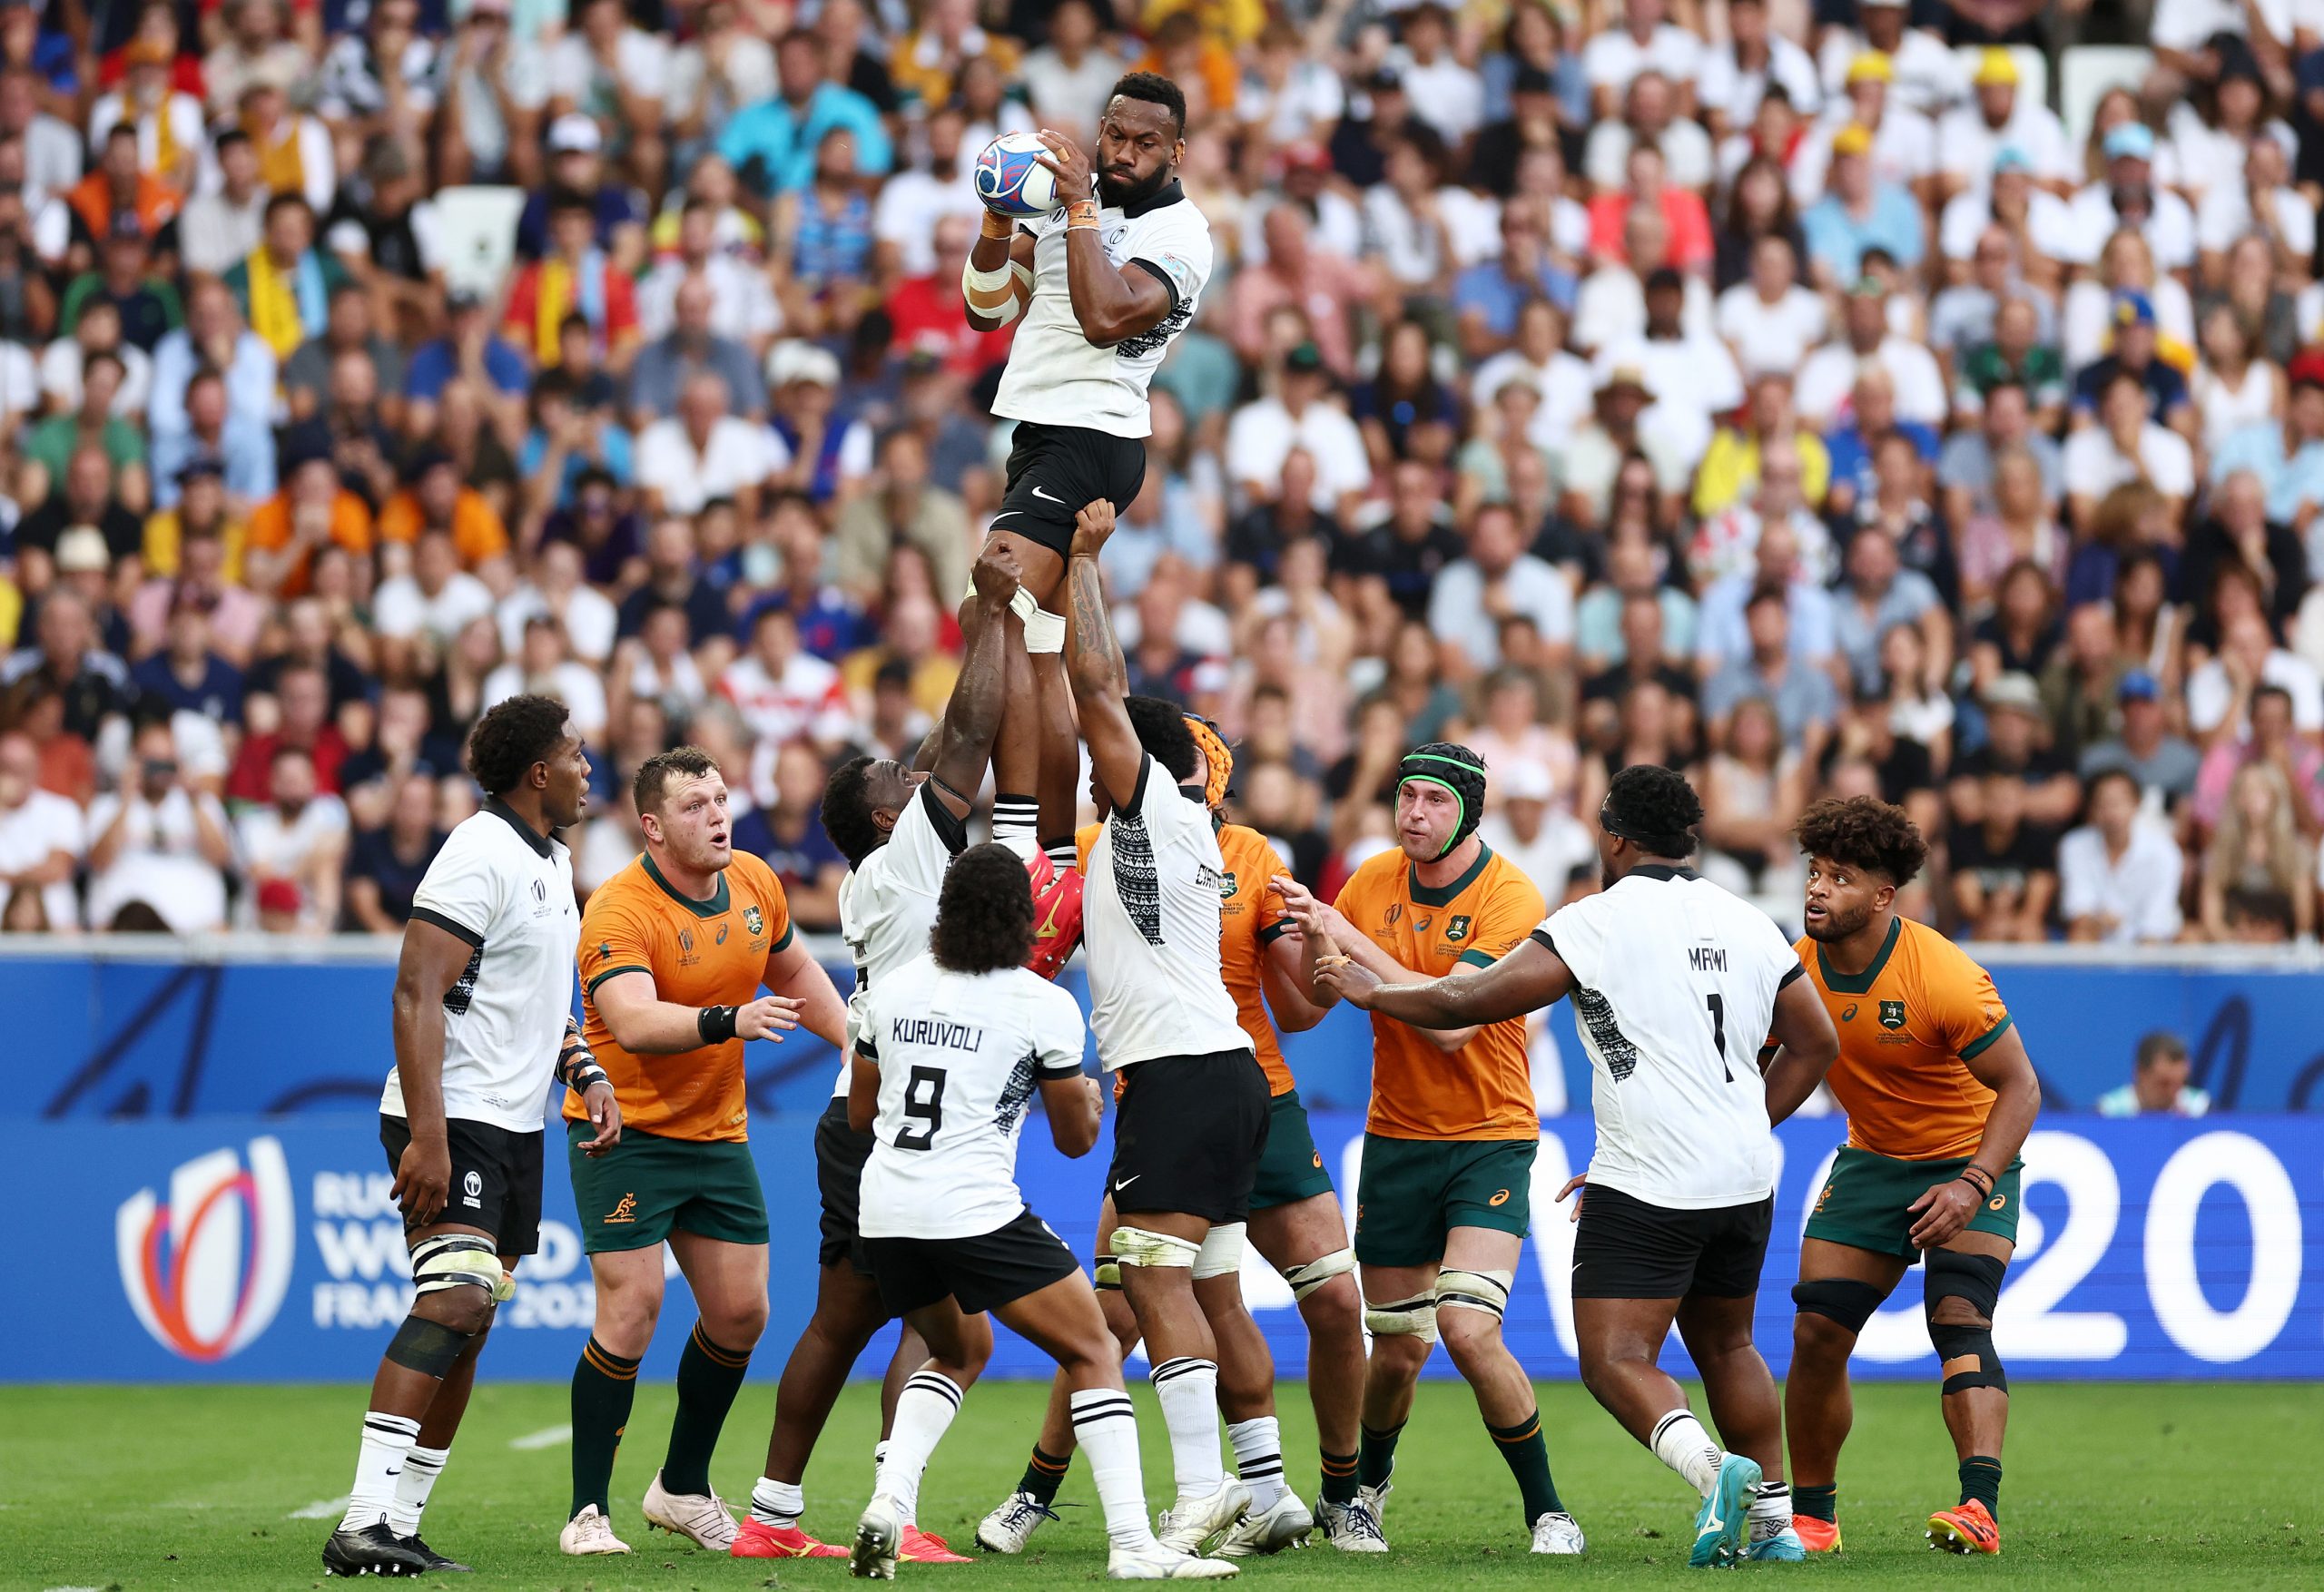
{"points": [[1047, 497], [1500, 1197], [1848, 1016]]}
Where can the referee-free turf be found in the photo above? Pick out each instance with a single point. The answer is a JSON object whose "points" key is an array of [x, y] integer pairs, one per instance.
{"points": [[2122, 1486]]}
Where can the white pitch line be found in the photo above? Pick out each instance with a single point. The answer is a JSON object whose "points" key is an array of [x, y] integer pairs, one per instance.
{"points": [[548, 1436], [322, 1509]]}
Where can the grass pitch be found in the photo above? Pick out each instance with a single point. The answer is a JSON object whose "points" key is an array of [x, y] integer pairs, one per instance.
{"points": [[2147, 1486]]}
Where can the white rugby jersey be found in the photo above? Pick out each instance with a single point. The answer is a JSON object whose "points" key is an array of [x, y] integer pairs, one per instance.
{"points": [[1149, 922], [508, 891], [1676, 983], [887, 905], [959, 1056], [1055, 375]]}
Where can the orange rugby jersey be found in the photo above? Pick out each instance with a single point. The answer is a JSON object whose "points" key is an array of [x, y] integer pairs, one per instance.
{"points": [[1485, 1089], [699, 953], [1907, 1024], [1251, 916]]}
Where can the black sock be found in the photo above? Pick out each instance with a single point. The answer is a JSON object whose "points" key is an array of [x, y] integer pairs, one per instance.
{"points": [[1375, 1455], [1043, 1474], [604, 1384], [708, 1379], [1817, 1503], [1980, 1480], [1339, 1477], [1527, 1454]]}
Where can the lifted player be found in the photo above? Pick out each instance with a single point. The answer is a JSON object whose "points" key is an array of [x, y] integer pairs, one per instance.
{"points": [[1940, 1096], [1295, 1222], [675, 949], [1103, 285], [949, 1050], [899, 832], [1450, 1141], [477, 1032]]}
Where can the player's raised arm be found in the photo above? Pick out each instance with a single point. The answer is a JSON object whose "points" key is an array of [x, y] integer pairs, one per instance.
{"points": [[1325, 933], [862, 1091], [996, 283], [1806, 1046], [1093, 661], [963, 742], [1525, 981], [432, 961], [1111, 302]]}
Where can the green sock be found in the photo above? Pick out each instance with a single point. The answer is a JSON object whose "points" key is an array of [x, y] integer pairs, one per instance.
{"points": [[1980, 1480], [604, 1384], [1043, 1474], [1817, 1503], [708, 1379], [1339, 1477], [1529, 1461], [1375, 1455]]}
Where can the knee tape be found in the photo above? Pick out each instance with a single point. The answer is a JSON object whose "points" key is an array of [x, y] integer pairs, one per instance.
{"points": [[1044, 631], [1304, 1280], [1106, 1274], [1407, 1318], [1134, 1246], [427, 1347], [459, 1260], [1483, 1291], [1967, 1353], [1840, 1299], [1221, 1254]]}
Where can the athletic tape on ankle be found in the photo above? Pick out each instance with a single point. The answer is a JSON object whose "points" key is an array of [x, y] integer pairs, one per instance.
{"points": [[1134, 1246]]}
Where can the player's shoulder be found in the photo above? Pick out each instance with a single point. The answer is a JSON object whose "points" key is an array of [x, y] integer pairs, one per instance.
{"points": [[1506, 883], [749, 871], [630, 889], [1926, 956], [1244, 847], [1379, 877]]}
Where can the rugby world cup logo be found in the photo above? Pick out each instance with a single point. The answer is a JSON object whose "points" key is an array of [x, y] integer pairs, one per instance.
{"points": [[206, 1269]]}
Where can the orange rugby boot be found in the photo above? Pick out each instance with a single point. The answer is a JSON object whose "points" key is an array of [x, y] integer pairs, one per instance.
{"points": [[1964, 1528], [925, 1547], [756, 1539], [1816, 1536]]}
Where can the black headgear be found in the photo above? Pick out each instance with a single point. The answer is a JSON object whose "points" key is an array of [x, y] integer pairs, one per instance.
{"points": [[1459, 771]]}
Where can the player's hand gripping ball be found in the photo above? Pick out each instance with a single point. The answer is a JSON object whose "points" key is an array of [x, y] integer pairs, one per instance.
{"points": [[1010, 179]]}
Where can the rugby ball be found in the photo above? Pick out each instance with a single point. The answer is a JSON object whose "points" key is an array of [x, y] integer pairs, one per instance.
{"points": [[1010, 179]]}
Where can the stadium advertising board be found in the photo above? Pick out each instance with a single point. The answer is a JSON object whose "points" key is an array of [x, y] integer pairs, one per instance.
{"points": [[255, 1250]]}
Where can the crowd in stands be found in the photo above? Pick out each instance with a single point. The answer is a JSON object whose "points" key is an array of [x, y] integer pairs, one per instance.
{"points": [[1776, 389]]}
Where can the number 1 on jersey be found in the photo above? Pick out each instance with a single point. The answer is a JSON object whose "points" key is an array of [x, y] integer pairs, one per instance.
{"points": [[1718, 1035]]}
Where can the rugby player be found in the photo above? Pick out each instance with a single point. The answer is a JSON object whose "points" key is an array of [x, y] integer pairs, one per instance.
{"points": [[1295, 1222], [483, 1019], [1940, 1096], [949, 1050], [1193, 1118], [900, 832], [1450, 1139], [1103, 284], [1674, 982], [675, 949]]}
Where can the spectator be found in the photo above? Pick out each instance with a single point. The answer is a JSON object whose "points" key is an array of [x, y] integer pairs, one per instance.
{"points": [[2128, 197], [2015, 750], [294, 849], [43, 839], [2126, 446], [785, 830], [1802, 696], [1859, 213], [385, 865], [283, 286], [1828, 380], [2004, 880], [1879, 596], [2219, 695], [1497, 579], [2118, 874], [2166, 769], [160, 843], [2158, 1085], [2256, 852], [303, 723]]}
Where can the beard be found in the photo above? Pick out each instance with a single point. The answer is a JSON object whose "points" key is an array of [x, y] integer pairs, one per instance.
{"points": [[1116, 192], [1838, 925]]}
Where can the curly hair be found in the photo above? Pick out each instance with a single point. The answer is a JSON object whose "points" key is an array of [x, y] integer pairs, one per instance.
{"points": [[984, 914], [847, 810], [511, 737], [1156, 90], [1864, 833], [1654, 809], [656, 774], [1162, 729]]}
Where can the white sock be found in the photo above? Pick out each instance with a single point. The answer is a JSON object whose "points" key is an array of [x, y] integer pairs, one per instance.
{"points": [[1107, 1428], [421, 1467], [1771, 1510], [1258, 1458], [1680, 1442], [1015, 820], [930, 1401], [776, 1503], [387, 1441], [1188, 1389]]}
